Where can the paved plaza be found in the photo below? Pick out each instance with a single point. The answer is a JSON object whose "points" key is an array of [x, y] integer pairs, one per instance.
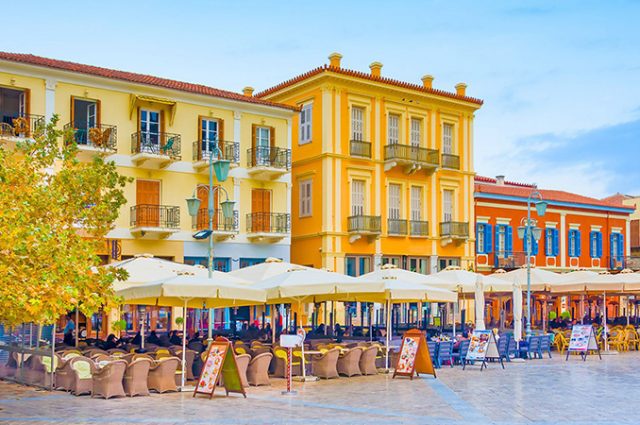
{"points": [[540, 391]]}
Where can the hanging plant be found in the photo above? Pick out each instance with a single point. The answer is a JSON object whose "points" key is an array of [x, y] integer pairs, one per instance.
{"points": [[179, 321]]}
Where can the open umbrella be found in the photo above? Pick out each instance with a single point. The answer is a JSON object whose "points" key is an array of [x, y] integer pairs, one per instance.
{"points": [[517, 311], [541, 280], [465, 281], [271, 267], [144, 268], [479, 302]]}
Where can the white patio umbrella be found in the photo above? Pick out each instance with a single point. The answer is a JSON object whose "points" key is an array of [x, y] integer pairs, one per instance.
{"points": [[517, 312], [465, 281], [194, 291], [599, 283], [479, 302], [271, 267], [577, 276], [541, 280]]}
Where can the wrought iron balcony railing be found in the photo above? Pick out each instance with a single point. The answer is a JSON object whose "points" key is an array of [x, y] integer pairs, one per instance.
{"points": [[228, 150], [360, 148], [509, 260], [418, 228], [620, 262], [155, 216], [269, 156], [102, 136], [450, 161], [165, 144], [20, 124], [410, 153], [364, 224], [396, 226], [220, 223], [264, 222], [455, 229]]}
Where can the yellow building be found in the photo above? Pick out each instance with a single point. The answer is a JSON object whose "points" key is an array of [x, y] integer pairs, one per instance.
{"points": [[160, 132], [382, 171]]}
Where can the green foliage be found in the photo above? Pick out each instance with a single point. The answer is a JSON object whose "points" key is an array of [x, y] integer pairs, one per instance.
{"points": [[552, 315], [565, 315], [179, 321], [56, 212], [119, 325]]}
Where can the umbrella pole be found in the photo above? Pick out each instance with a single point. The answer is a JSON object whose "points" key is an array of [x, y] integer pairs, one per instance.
{"points": [[604, 321], [77, 327], [388, 322], [582, 309], [184, 342], [142, 323], [210, 326], [273, 324]]}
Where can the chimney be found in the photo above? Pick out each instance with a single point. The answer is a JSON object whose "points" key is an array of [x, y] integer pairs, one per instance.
{"points": [[375, 68], [500, 180], [334, 60], [248, 91], [427, 81], [461, 89]]}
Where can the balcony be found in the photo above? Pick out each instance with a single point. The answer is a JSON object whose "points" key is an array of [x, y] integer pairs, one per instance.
{"points": [[16, 127], [98, 140], [510, 260], [418, 228], [412, 158], [396, 227], [154, 221], [201, 151], [268, 162], [268, 227], [450, 161], [363, 225], [154, 150], [223, 228], [621, 263], [453, 230], [360, 148]]}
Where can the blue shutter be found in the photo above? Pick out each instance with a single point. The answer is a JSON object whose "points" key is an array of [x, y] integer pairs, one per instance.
{"points": [[599, 241], [593, 241], [534, 247], [495, 241], [555, 242], [479, 249], [508, 240], [612, 241], [570, 243], [578, 245], [620, 247], [487, 239], [548, 241]]}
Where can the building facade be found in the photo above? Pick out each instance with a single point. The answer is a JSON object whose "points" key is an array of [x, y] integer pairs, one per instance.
{"points": [[382, 171], [160, 132], [577, 232]]}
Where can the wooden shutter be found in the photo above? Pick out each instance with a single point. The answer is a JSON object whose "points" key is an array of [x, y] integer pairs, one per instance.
{"points": [[221, 138], [272, 136], [254, 143], [98, 113], [72, 111], [148, 200]]}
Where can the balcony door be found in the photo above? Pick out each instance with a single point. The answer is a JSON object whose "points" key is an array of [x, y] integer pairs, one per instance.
{"points": [[447, 139], [148, 203], [357, 123], [357, 197], [209, 135], [85, 117], [260, 210], [13, 104], [202, 220], [150, 130], [447, 206], [262, 143]]}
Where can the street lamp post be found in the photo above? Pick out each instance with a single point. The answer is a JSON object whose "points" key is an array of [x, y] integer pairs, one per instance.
{"points": [[221, 169], [528, 233]]}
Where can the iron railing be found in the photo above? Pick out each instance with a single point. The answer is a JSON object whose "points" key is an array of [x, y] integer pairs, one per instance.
{"points": [[364, 223], [269, 156], [264, 222], [167, 144], [160, 216], [620, 262], [412, 153], [220, 222], [509, 260], [454, 229], [396, 226], [450, 161], [99, 136], [418, 228], [20, 124], [360, 148], [228, 150]]}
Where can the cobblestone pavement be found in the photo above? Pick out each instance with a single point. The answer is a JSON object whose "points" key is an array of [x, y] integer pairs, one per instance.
{"points": [[549, 391]]}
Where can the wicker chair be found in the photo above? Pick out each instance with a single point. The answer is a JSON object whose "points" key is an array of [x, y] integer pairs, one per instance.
{"points": [[33, 371], [349, 363], [368, 361], [117, 352], [325, 365], [136, 376], [243, 364], [162, 375], [65, 374], [258, 369], [83, 370], [280, 362], [107, 381], [190, 356]]}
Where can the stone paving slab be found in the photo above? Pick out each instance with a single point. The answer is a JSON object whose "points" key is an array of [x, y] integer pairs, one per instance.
{"points": [[549, 391]]}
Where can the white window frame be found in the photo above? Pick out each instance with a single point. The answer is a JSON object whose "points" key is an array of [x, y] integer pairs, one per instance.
{"points": [[358, 197], [357, 123], [150, 137], [306, 123], [207, 127], [305, 188], [447, 138], [416, 203], [480, 229], [447, 205], [416, 132], [395, 201], [393, 129]]}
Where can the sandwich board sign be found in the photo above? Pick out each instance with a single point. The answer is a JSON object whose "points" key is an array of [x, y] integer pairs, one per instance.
{"points": [[482, 346], [582, 341], [220, 362], [414, 356]]}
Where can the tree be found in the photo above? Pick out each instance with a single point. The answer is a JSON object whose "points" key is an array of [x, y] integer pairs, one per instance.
{"points": [[56, 212]]}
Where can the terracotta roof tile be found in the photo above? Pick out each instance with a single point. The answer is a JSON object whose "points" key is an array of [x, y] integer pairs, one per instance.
{"points": [[359, 74], [137, 78], [483, 179]]}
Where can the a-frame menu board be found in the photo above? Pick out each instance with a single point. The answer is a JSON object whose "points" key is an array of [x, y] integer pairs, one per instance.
{"points": [[582, 341], [219, 362], [414, 355], [483, 346]]}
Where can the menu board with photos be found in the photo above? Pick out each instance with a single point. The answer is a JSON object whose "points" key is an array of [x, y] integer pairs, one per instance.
{"points": [[583, 340], [220, 361], [414, 355]]}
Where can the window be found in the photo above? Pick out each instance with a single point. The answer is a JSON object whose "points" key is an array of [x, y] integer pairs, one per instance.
{"points": [[595, 244], [13, 104], [149, 130], [504, 240], [85, 113], [396, 261], [574, 243], [357, 265], [357, 197], [305, 198], [418, 265], [551, 242], [209, 132], [247, 262], [394, 201], [393, 132], [263, 146], [443, 263], [221, 264], [305, 123], [616, 249], [416, 136], [447, 139], [483, 238], [416, 203], [534, 246], [357, 123], [447, 205]]}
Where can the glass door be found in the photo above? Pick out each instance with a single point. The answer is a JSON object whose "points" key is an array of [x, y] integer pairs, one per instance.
{"points": [[208, 136], [149, 131]]}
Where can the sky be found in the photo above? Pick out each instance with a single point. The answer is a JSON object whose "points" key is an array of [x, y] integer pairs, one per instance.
{"points": [[560, 79]]}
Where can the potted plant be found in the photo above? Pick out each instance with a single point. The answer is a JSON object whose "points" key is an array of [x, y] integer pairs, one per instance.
{"points": [[119, 326], [179, 321]]}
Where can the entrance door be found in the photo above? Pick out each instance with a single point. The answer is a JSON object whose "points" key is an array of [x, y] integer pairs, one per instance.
{"points": [[261, 210], [148, 203], [208, 136], [202, 221], [149, 131]]}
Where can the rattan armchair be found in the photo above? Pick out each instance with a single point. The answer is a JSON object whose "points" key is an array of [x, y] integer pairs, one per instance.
{"points": [[243, 364], [325, 365], [349, 362], [83, 369], [107, 381], [368, 361], [258, 369], [162, 375], [136, 376]]}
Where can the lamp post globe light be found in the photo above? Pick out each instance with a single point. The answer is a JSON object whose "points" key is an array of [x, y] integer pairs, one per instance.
{"points": [[528, 231], [221, 169]]}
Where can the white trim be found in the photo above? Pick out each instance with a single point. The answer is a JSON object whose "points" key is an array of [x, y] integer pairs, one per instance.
{"points": [[595, 228], [574, 226], [482, 219], [503, 221]]}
